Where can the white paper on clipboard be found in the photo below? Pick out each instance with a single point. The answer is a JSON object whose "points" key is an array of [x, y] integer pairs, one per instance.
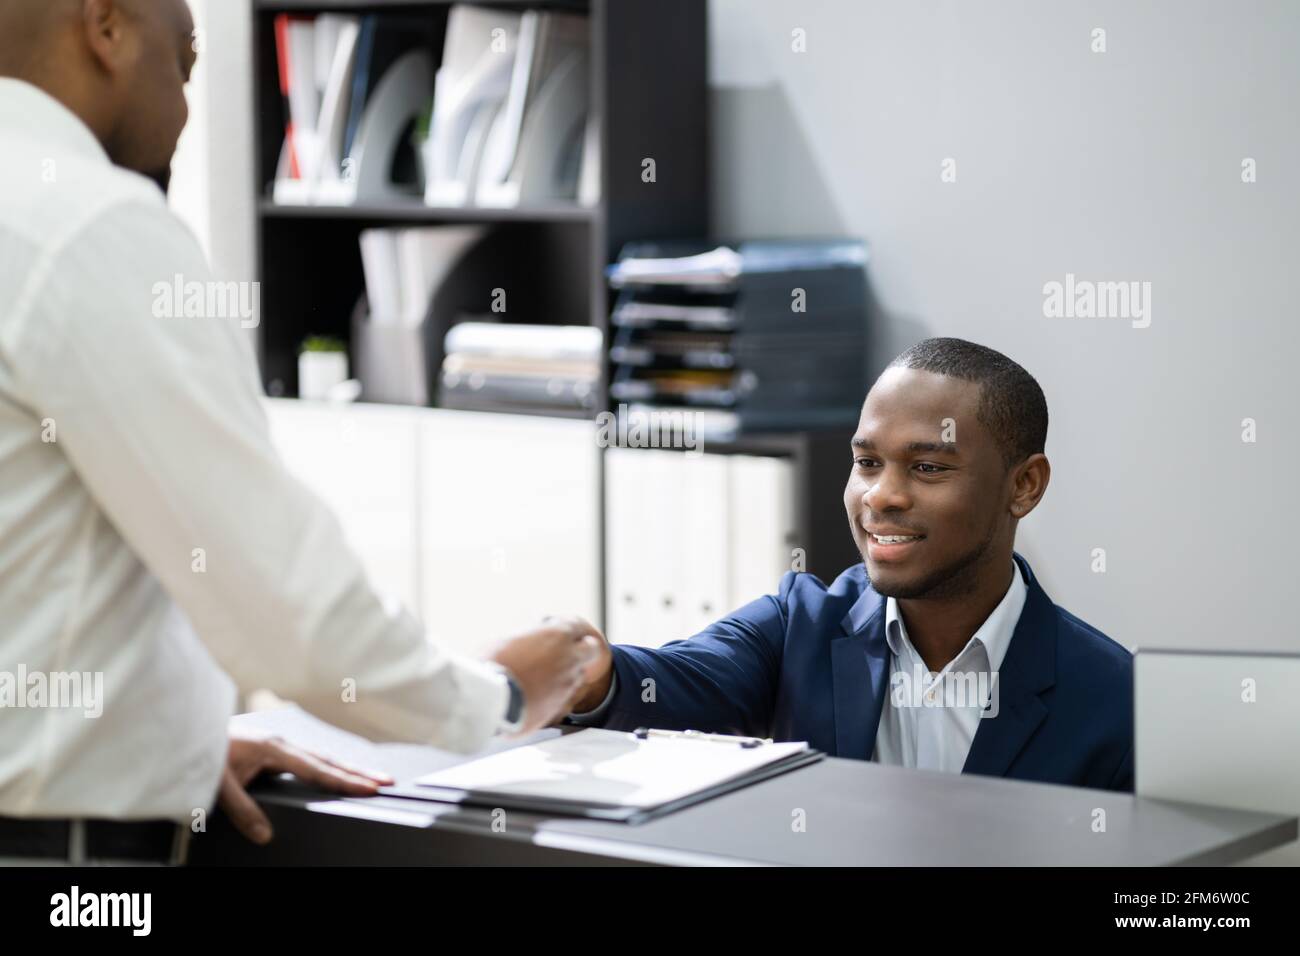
{"points": [[606, 768]]}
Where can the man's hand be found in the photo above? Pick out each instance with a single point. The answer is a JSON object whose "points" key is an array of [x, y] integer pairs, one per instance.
{"points": [[552, 665], [250, 755]]}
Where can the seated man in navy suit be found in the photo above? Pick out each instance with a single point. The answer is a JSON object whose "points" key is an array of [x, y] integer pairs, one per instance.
{"points": [[941, 651]]}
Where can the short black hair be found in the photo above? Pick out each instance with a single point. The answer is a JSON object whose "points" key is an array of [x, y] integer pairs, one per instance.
{"points": [[1011, 405]]}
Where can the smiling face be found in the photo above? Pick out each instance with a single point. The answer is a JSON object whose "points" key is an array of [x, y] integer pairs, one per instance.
{"points": [[929, 497]]}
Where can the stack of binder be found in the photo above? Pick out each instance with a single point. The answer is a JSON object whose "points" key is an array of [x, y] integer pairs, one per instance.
{"points": [[768, 335], [354, 87], [502, 120], [510, 114], [494, 366]]}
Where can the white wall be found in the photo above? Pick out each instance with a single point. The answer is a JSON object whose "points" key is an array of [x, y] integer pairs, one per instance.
{"points": [[1116, 166], [190, 195], [1123, 165], [212, 175]]}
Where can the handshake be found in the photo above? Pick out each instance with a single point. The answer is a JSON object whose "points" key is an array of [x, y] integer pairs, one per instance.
{"points": [[563, 667]]}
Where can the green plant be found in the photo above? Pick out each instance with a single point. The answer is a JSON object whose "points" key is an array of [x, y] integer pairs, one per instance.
{"points": [[323, 343]]}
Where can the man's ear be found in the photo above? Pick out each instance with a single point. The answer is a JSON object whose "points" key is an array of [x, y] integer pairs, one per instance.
{"points": [[1029, 482], [104, 27]]}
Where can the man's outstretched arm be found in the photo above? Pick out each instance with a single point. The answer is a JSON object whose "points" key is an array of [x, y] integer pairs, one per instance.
{"points": [[722, 680]]}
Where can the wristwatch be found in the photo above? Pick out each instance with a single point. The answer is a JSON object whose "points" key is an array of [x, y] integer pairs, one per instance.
{"points": [[514, 718]]}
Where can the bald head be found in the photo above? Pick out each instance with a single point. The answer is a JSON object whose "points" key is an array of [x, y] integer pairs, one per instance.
{"points": [[120, 65], [26, 28]]}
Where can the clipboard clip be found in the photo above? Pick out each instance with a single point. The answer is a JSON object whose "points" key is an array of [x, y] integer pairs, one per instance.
{"points": [[746, 743]]}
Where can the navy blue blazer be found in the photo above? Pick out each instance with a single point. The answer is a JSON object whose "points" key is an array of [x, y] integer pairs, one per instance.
{"points": [[811, 663]]}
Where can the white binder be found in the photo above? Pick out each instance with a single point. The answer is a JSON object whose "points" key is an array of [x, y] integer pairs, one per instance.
{"points": [[702, 568], [691, 538], [760, 499]]}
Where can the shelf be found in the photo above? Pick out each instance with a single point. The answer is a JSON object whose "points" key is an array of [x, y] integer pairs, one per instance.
{"points": [[484, 408], [414, 211], [649, 88], [331, 6]]}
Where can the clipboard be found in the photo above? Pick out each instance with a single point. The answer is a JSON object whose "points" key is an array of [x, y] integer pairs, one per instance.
{"points": [[530, 796]]}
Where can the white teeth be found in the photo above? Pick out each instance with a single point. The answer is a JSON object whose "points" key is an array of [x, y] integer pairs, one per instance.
{"points": [[895, 538]]}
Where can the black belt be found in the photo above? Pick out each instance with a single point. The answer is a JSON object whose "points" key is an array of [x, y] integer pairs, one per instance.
{"points": [[91, 841]]}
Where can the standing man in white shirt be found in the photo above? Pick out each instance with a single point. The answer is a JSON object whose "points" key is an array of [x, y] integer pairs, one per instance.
{"points": [[153, 548]]}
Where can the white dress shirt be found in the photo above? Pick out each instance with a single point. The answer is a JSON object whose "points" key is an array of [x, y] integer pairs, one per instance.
{"points": [[149, 532], [928, 720]]}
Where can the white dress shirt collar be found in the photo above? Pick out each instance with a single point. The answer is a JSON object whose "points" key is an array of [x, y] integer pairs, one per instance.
{"points": [[994, 634], [48, 120]]}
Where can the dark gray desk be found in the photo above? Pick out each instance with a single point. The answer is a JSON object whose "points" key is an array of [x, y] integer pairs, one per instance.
{"points": [[856, 813]]}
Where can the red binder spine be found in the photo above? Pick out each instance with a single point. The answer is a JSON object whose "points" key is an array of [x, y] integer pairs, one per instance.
{"points": [[282, 55]]}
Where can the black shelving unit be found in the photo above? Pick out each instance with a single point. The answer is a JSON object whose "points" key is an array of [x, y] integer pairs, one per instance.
{"points": [[649, 88]]}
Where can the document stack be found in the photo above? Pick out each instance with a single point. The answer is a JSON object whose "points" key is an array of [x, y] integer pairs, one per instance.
{"points": [[759, 336], [493, 366]]}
